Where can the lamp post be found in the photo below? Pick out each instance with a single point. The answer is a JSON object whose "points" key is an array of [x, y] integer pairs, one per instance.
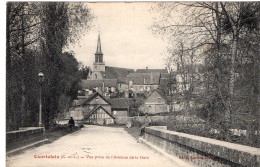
{"points": [[41, 79]]}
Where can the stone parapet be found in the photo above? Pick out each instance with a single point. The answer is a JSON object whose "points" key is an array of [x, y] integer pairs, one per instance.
{"points": [[202, 151]]}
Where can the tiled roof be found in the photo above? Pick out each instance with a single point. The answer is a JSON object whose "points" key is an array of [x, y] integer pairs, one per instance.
{"points": [[151, 70], [89, 98], [143, 78], [119, 103], [117, 73], [91, 84]]}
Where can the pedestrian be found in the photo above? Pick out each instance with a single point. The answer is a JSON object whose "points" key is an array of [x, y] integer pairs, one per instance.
{"points": [[71, 124], [147, 122]]}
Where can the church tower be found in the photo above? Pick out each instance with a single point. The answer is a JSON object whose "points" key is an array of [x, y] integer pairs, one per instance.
{"points": [[99, 64]]}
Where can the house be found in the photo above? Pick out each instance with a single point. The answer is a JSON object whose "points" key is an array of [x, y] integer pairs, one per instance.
{"points": [[94, 109], [143, 82], [156, 102], [120, 109]]}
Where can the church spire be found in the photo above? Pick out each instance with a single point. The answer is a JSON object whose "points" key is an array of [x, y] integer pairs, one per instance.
{"points": [[98, 54], [99, 46]]}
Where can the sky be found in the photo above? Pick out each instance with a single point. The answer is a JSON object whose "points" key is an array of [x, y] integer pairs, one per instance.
{"points": [[126, 39]]}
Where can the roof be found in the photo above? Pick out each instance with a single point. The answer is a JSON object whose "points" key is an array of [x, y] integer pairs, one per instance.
{"points": [[89, 98], [160, 93], [151, 70], [95, 109], [91, 84], [143, 78], [165, 78], [117, 73], [168, 75], [119, 103], [78, 102]]}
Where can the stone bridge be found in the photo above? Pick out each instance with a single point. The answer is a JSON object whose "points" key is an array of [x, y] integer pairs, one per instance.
{"points": [[113, 146], [93, 146]]}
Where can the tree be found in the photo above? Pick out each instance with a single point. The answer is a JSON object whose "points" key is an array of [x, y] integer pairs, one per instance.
{"points": [[37, 34], [215, 31]]}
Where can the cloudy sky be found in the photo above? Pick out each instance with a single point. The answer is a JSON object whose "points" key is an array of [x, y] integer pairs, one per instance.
{"points": [[126, 38]]}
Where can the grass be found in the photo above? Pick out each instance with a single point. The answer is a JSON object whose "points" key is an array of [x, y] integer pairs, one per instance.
{"points": [[56, 133], [133, 131]]}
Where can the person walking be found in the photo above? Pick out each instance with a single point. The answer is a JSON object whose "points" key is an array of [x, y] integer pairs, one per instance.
{"points": [[71, 124]]}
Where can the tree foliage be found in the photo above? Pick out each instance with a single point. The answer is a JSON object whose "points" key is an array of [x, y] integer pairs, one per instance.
{"points": [[36, 36], [223, 37]]}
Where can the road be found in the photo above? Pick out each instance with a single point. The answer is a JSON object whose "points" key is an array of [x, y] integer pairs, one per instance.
{"points": [[95, 146]]}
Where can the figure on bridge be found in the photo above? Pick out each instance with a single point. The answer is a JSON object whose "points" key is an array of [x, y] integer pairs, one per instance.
{"points": [[147, 122], [71, 123]]}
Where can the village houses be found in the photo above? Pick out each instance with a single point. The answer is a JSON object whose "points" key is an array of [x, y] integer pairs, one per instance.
{"points": [[98, 101]]}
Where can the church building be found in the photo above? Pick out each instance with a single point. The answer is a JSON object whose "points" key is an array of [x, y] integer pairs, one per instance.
{"points": [[106, 75]]}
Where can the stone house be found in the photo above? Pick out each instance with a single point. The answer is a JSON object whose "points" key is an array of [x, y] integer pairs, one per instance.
{"points": [[156, 102]]}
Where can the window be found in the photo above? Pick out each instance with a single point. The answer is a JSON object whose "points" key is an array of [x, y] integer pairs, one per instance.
{"points": [[159, 100], [141, 88], [95, 76], [95, 67], [148, 88]]}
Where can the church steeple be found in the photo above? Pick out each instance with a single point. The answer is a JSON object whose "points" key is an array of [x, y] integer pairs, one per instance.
{"points": [[99, 46], [99, 54]]}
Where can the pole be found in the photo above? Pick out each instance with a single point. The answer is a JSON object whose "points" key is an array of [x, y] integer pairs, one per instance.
{"points": [[40, 111]]}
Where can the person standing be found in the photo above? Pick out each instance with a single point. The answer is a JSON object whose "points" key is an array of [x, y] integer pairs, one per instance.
{"points": [[147, 122]]}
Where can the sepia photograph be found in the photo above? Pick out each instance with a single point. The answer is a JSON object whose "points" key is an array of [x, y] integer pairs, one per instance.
{"points": [[124, 84]]}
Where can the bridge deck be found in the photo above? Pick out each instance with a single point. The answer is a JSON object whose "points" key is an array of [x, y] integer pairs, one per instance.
{"points": [[98, 142]]}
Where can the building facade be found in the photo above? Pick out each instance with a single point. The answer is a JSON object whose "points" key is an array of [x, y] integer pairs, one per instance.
{"points": [[156, 102]]}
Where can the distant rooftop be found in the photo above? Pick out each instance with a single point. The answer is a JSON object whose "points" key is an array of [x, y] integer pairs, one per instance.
{"points": [[117, 73], [147, 70], [144, 78], [91, 84]]}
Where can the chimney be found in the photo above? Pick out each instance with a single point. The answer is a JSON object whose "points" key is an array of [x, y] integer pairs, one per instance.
{"points": [[151, 77]]}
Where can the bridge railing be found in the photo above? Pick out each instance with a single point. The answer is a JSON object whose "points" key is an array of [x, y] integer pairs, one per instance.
{"points": [[202, 151]]}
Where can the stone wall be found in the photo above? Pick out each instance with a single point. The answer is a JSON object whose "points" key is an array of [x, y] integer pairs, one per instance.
{"points": [[22, 135], [202, 151]]}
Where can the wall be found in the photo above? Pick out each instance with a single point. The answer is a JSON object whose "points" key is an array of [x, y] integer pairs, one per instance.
{"points": [[121, 116], [137, 88], [203, 151], [22, 134], [154, 108], [122, 87]]}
